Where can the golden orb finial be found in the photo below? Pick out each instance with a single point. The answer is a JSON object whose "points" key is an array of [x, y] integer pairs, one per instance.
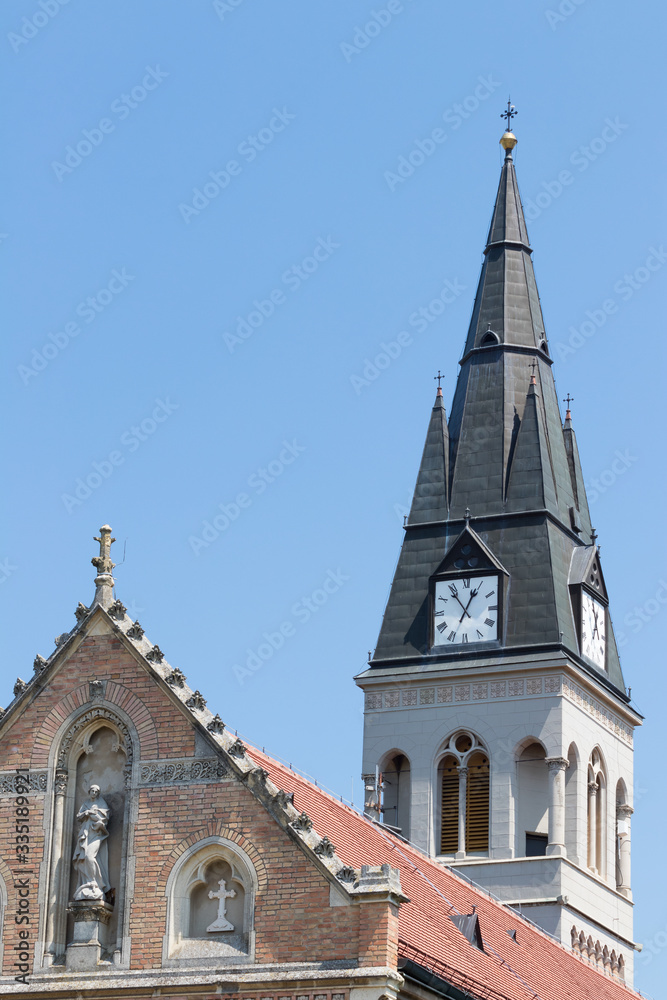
{"points": [[508, 140]]}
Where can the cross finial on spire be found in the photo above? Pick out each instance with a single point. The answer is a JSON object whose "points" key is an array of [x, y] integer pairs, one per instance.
{"points": [[103, 562], [467, 516], [533, 365], [568, 399], [104, 566], [509, 114], [438, 377], [594, 535]]}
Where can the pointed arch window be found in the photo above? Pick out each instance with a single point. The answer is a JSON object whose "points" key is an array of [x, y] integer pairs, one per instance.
{"points": [[463, 778], [395, 782], [597, 814], [532, 801]]}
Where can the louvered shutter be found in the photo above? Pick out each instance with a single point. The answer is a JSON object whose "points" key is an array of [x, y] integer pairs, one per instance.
{"points": [[477, 803], [449, 837]]}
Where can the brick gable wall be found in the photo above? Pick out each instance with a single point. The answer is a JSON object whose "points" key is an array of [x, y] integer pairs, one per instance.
{"points": [[294, 920]]}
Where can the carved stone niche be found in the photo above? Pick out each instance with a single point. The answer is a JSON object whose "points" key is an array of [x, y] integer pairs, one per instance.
{"points": [[88, 926], [210, 906]]}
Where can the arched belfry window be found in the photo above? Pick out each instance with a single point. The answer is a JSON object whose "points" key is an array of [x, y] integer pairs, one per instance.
{"points": [[395, 779], [463, 779], [532, 801], [597, 814], [210, 905]]}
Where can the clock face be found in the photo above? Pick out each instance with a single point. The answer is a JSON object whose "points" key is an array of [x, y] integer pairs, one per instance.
{"points": [[465, 610], [593, 638]]}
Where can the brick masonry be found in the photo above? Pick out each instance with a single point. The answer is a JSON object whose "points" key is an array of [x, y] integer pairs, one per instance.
{"points": [[294, 919]]}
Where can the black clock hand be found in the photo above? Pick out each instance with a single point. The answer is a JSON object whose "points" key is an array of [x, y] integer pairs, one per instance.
{"points": [[473, 594], [465, 610]]}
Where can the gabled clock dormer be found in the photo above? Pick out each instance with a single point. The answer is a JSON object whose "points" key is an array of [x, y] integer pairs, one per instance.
{"points": [[467, 595], [590, 604]]}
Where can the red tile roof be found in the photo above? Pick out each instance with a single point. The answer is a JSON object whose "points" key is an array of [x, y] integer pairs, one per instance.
{"points": [[532, 967]]}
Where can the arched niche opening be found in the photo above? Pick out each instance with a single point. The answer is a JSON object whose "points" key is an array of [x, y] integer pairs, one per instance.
{"points": [[210, 905], [396, 793], [532, 801], [89, 831]]}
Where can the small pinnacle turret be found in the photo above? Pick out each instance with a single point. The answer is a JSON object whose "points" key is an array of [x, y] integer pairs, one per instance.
{"points": [[104, 581]]}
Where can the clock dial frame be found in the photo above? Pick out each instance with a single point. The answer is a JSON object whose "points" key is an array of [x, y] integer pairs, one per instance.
{"points": [[593, 622], [466, 609]]}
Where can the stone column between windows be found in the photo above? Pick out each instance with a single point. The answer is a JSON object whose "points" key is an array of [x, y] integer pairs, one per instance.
{"points": [[623, 833], [557, 767], [463, 789], [592, 825]]}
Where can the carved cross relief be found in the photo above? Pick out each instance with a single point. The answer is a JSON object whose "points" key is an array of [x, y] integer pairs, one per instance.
{"points": [[222, 895]]}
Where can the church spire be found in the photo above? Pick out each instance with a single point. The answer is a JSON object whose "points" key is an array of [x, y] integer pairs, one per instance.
{"points": [[507, 305], [429, 502]]}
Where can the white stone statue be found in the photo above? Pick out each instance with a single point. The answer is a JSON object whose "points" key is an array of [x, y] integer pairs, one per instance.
{"points": [[91, 857], [222, 895]]}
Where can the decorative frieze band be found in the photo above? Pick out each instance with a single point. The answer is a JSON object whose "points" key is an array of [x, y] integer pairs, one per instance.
{"points": [[187, 769], [595, 708], [517, 687], [456, 693], [12, 783]]}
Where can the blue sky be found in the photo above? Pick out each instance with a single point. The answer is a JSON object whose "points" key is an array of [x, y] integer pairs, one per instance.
{"points": [[207, 240]]}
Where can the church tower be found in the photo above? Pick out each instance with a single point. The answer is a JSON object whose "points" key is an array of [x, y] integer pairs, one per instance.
{"points": [[498, 733]]}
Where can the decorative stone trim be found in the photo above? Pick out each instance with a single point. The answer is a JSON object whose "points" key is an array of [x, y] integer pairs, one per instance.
{"points": [[96, 689], [325, 849], [462, 692], [303, 823], [196, 702], [187, 769], [135, 631], [444, 695], [39, 664], [176, 678], [593, 707], [83, 721], [117, 610], [81, 612], [19, 687], [155, 655], [213, 829], [237, 749], [37, 782], [216, 725]]}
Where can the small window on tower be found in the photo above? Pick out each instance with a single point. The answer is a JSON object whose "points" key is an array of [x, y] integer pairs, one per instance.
{"points": [[536, 845]]}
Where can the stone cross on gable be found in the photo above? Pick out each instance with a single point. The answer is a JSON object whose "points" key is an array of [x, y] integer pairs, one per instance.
{"points": [[222, 895], [103, 563]]}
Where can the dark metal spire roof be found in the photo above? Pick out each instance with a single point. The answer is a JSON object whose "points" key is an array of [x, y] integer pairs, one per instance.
{"points": [[505, 455], [507, 303], [429, 502]]}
